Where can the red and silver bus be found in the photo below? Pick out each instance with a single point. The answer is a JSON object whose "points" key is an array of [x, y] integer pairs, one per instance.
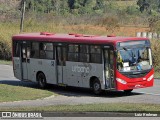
{"points": [[88, 61]]}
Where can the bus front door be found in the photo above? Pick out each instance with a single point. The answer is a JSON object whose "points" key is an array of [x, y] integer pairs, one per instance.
{"points": [[109, 68], [25, 50], [61, 62]]}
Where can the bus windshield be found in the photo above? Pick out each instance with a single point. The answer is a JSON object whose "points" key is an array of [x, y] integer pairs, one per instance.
{"points": [[134, 59]]}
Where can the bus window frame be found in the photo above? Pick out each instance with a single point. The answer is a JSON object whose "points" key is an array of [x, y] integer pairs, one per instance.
{"points": [[89, 52], [68, 52], [14, 45], [53, 51]]}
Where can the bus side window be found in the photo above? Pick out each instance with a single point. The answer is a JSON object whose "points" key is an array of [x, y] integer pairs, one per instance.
{"points": [[42, 48], [35, 50], [84, 53], [73, 52], [95, 54], [49, 51]]}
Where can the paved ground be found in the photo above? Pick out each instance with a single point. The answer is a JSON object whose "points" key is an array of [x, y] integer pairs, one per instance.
{"points": [[81, 96]]}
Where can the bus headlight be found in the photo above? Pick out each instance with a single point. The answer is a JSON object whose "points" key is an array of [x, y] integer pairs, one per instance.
{"points": [[121, 81], [150, 78]]}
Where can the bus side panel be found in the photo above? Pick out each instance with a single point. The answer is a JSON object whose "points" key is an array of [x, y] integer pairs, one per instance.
{"points": [[45, 66], [17, 67], [79, 74]]}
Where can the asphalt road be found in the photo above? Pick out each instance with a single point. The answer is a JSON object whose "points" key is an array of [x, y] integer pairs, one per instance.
{"points": [[72, 96]]}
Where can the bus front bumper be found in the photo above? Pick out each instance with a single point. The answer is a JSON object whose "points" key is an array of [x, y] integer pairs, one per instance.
{"points": [[136, 85]]}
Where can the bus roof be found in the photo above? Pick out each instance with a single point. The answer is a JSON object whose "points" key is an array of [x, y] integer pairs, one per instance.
{"points": [[74, 38]]}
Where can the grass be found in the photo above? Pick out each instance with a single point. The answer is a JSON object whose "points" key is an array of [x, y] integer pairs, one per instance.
{"points": [[126, 3], [5, 62], [102, 107], [17, 93]]}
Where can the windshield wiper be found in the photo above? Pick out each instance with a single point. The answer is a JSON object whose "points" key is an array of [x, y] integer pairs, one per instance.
{"points": [[124, 48]]}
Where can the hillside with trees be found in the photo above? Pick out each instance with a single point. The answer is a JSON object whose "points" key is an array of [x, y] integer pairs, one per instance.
{"points": [[125, 12]]}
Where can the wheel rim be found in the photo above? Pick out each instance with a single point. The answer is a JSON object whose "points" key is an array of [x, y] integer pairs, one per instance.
{"points": [[96, 86], [41, 80]]}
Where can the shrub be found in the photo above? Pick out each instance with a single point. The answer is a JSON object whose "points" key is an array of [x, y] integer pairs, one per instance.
{"points": [[5, 50], [132, 10], [7, 30], [155, 44], [110, 23], [156, 26]]}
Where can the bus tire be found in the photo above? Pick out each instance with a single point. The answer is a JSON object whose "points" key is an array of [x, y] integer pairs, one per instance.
{"points": [[41, 80], [96, 86], [128, 91]]}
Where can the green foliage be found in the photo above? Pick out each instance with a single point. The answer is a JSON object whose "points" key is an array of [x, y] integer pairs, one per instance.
{"points": [[156, 26], [99, 4], [99, 107], [6, 30], [110, 23], [154, 23], [64, 6], [155, 44], [18, 93], [132, 10], [149, 5], [5, 53]]}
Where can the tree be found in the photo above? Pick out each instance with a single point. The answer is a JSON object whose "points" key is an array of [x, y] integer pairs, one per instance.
{"points": [[63, 6], [159, 6], [143, 4], [99, 4], [149, 5]]}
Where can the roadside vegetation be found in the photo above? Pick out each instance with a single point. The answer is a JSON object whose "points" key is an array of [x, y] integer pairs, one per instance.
{"points": [[102, 107], [9, 93], [5, 62]]}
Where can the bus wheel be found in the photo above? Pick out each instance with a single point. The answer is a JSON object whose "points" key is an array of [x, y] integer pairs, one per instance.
{"points": [[41, 80], [96, 86], [128, 91]]}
